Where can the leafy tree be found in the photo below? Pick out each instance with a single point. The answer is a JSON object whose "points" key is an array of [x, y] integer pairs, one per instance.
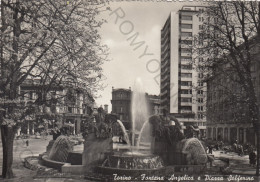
{"points": [[228, 45], [54, 42]]}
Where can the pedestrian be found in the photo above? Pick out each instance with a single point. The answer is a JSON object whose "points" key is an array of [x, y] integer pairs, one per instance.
{"points": [[210, 149], [27, 143], [221, 143], [252, 158], [216, 146]]}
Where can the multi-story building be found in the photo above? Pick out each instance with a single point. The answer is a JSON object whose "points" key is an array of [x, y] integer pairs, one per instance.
{"points": [[153, 104], [67, 101], [228, 116], [182, 90], [121, 104]]}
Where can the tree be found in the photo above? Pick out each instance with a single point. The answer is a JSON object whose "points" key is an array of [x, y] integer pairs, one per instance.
{"points": [[227, 44], [53, 42]]}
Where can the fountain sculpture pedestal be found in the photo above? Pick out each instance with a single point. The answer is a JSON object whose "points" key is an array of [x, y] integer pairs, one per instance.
{"points": [[95, 149]]}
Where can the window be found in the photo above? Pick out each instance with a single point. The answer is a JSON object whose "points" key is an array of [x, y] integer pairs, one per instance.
{"points": [[200, 83], [186, 91], [201, 27], [200, 108], [186, 17], [200, 92], [201, 10], [186, 67], [200, 75], [187, 42], [70, 109], [186, 50], [184, 99], [185, 58], [201, 19], [186, 108], [186, 75], [200, 116], [186, 26], [186, 34], [186, 83], [200, 100]]}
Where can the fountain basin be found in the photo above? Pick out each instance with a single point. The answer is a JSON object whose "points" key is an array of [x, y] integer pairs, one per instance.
{"points": [[131, 162]]}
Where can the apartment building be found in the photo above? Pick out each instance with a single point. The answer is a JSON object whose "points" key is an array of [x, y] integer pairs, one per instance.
{"points": [[183, 94], [69, 102], [228, 117]]}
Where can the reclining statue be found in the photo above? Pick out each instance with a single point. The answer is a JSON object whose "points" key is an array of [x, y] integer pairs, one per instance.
{"points": [[172, 145]]}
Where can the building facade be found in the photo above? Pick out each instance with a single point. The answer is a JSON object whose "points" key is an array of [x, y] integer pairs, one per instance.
{"points": [[70, 103], [121, 104], [153, 104], [228, 116], [182, 91]]}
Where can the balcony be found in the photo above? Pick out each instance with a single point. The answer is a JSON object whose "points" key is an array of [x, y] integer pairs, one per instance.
{"points": [[186, 71], [186, 29], [186, 37], [186, 78], [186, 104], [186, 54], [165, 79], [186, 62], [186, 95], [166, 63], [166, 70], [186, 87], [164, 92], [186, 21], [164, 42], [186, 111]]}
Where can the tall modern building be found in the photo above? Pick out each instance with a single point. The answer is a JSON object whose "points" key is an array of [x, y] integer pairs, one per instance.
{"points": [[182, 90]]}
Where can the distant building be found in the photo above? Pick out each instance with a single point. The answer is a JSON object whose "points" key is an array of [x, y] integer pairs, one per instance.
{"points": [[121, 104], [154, 104], [227, 112], [106, 108], [182, 91], [69, 102]]}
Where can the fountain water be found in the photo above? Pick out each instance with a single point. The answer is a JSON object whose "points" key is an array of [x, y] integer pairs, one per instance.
{"points": [[124, 132], [141, 133], [139, 109], [60, 149]]}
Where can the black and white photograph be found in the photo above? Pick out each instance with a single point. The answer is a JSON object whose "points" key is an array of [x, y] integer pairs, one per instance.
{"points": [[129, 90]]}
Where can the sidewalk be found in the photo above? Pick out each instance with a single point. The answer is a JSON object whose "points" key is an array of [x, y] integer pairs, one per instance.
{"points": [[238, 164]]}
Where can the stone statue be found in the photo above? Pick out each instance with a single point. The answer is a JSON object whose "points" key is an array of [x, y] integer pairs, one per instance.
{"points": [[98, 139], [169, 142]]}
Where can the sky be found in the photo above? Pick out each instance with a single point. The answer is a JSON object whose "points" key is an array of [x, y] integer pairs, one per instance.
{"points": [[128, 62]]}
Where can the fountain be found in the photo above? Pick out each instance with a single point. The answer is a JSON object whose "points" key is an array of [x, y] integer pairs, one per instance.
{"points": [[132, 160], [169, 146]]}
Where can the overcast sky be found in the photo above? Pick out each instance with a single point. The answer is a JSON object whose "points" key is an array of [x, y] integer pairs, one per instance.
{"points": [[146, 19]]}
